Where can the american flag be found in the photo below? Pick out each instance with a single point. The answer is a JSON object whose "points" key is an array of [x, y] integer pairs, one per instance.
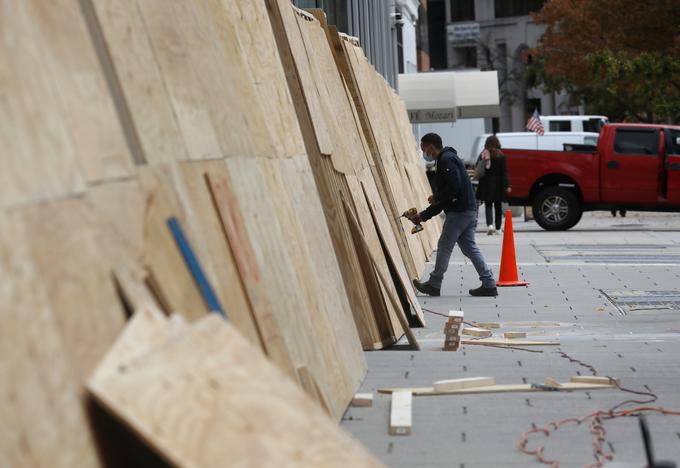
{"points": [[534, 123]]}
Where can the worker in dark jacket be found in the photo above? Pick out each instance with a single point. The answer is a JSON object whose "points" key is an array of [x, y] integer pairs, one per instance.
{"points": [[454, 195]]}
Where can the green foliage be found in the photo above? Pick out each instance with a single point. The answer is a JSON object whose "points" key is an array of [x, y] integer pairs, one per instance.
{"points": [[625, 67]]}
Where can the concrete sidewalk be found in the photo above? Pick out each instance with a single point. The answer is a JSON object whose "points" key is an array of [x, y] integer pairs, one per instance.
{"points": [[571, 274]]}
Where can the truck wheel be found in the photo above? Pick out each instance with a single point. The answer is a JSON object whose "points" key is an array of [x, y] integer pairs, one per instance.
{"points": [[557, 209]]}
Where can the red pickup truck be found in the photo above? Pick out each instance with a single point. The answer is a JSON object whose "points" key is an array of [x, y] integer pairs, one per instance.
{"points": [[634, 167]]}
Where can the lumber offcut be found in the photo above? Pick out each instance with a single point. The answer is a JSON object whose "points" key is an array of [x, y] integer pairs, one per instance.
{"points": [[400, 413]]}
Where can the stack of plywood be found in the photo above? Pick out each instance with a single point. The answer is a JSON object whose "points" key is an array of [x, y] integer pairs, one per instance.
{"points": [[395, 160], [119, 115], [340, 157]]}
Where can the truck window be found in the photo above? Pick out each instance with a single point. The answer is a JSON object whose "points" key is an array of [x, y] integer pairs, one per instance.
{"points": [[636, 141], [560, 126], [675, 142], [592, 125]]}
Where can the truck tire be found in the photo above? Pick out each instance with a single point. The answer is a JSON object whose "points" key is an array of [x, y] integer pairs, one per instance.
{"points": [[557, 209]]}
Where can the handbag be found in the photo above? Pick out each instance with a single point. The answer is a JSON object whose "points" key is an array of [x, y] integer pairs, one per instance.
{"points": [[480, 168]]}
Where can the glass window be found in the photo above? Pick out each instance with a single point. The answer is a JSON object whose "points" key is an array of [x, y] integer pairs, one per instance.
{"points": [[590, 140], [505, 8], [674, 145], [592, 125], [560, 126], [462, 10], [636, 141]]}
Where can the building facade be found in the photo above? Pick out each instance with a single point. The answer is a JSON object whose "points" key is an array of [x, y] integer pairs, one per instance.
{"points": [[494, 35]]}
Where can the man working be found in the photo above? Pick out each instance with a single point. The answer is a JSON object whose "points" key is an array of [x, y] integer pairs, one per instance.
{"points": [[454, 195]]}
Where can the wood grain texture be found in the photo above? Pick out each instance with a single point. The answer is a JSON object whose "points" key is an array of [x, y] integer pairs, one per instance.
{"points": [[42, 420], [211, 246], [161, 254], [219, 401], [38, 160]]}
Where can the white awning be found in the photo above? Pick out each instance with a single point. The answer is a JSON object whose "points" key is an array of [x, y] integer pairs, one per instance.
{"points": [[448, 96]]}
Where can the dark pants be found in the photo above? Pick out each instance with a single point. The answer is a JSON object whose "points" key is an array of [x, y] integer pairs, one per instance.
{"points": [[498, 209]]}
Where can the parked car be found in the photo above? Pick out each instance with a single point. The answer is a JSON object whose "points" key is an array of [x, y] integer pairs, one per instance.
{"points": [[573, 123], [634, 167], [551, 141]]}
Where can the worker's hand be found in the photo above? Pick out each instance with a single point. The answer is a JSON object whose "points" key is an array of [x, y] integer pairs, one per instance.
{"points": [[416, 219], [430, 199], [508, 190]]}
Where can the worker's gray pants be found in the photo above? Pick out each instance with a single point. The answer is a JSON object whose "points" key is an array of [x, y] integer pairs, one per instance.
{"points": [[460, 227]]}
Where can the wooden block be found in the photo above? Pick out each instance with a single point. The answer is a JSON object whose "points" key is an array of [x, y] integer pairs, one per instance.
{"points": [[550, 382], [592, 379], [514, 335], [470, 382], [456, 315], [362, 399], [488, 325], [400, 413], [475, 331], [451, 347]]}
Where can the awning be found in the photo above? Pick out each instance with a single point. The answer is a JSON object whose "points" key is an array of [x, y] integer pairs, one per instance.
{"points": [[448, 96]]}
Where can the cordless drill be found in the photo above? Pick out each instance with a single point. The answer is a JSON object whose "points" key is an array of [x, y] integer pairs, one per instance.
{"points": [[409, 214]]}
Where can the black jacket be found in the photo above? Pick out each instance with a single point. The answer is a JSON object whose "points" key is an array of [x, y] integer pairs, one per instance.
{"points": [[452, 187], [493, 185]]}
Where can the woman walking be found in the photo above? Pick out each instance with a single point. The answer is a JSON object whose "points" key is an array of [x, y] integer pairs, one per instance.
{"points": [[493, 183]]}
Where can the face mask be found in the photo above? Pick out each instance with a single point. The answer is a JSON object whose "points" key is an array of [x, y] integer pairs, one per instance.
{"points": [[427, 157]]}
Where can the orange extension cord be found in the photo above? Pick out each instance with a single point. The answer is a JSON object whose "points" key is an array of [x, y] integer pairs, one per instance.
{"points": [[596, 427]]}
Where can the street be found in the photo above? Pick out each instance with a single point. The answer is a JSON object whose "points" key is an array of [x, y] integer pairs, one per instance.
{"points": [[575, 276]]}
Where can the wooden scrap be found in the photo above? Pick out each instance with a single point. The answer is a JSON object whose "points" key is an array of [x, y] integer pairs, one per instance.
{"points": [[470, 382], [506, 342], [488, 325], [475, 331], [514, 335], [456, 316], [362, 400], [593, 379], [550, 382], [430, 391], [400, 413]]}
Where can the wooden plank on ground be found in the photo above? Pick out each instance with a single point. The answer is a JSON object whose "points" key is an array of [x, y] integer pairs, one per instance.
{"points": [[470, 382], [509, 342], [401, 413], [219, 402], [426, 391]]}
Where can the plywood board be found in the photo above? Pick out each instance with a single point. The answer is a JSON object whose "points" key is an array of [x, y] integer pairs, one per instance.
{"points": [[211, 246], [75, 252], [137, 70], [162, 257], [43, 422], [38, 160], [248, 413]]}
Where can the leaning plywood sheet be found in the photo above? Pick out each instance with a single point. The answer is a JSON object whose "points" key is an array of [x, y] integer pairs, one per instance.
{"points": [[383, 126], [305, 324], [295, 33], [219, 402], [43, 422], [58, 126], [211, 246], [171, 279]]}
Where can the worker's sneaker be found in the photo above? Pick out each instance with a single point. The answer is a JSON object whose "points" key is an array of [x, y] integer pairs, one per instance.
{"points": [[490, 231], [426, 288], [484, 291]]}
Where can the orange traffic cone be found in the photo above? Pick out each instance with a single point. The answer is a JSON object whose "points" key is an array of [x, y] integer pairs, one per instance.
{"points": [[508, 276]]}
